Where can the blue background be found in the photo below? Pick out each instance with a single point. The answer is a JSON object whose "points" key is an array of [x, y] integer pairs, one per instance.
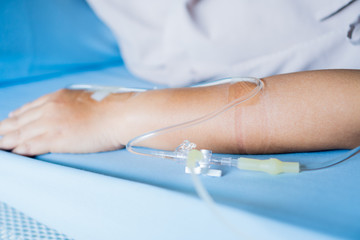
{"points": [[41, 37]]}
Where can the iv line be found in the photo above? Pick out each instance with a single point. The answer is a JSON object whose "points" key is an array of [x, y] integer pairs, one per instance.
{"points": [[187, 152], [271, 166], [174, 155]]}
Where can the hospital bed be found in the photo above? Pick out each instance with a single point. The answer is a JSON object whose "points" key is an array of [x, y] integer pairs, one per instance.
{"points": [[118, 195]]}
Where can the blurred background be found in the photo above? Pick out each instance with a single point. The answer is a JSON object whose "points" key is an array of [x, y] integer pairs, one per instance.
{"points": [[39, 38]]}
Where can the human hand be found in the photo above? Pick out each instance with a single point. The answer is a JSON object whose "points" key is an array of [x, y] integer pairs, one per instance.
{"points": [[64, 121]]}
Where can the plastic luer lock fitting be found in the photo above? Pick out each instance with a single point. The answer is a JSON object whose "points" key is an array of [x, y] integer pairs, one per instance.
{"points": [[193, 157], [272, 166]]}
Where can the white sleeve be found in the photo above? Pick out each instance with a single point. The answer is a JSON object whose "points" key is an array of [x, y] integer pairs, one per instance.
{"points": [[151, 36], [178, 42]]}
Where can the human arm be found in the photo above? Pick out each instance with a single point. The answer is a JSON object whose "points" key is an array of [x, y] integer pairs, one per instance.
{"points": [[302, 111]]}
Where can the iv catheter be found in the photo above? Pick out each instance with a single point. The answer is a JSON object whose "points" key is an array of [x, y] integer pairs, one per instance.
{"points": [[205, 159]]}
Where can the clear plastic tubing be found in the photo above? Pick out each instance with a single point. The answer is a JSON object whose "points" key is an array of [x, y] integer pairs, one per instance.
{"points": [[172, 155], [195, 156], [227, 161], [331, 162]]}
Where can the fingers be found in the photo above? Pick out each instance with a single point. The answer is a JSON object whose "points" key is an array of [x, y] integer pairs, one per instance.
{"points": [[17, 121], [38, 102], [34, 146], [22, 126], [17, 137]]}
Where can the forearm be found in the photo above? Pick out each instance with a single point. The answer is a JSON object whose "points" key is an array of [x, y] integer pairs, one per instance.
{"points": [[303, 111], [295, 112], [153, 110]]}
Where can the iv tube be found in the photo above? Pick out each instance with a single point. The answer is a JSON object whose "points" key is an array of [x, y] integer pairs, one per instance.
{"points": [[258, 87], [199, 187], [201, 190], [102, 91], [170, 155], [329, 163]]}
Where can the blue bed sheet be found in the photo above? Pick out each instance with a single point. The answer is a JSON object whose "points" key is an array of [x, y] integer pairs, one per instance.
{"points": [[324, 201]]}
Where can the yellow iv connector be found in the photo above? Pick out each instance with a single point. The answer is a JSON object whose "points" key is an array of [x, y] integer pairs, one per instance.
{"points": [[272, 166]]}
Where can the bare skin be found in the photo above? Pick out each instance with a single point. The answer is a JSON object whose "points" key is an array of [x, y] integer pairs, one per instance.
{"points": [[303, 111]]}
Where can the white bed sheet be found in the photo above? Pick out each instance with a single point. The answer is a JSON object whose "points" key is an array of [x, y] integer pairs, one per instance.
{"points": [[87, 206]]}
